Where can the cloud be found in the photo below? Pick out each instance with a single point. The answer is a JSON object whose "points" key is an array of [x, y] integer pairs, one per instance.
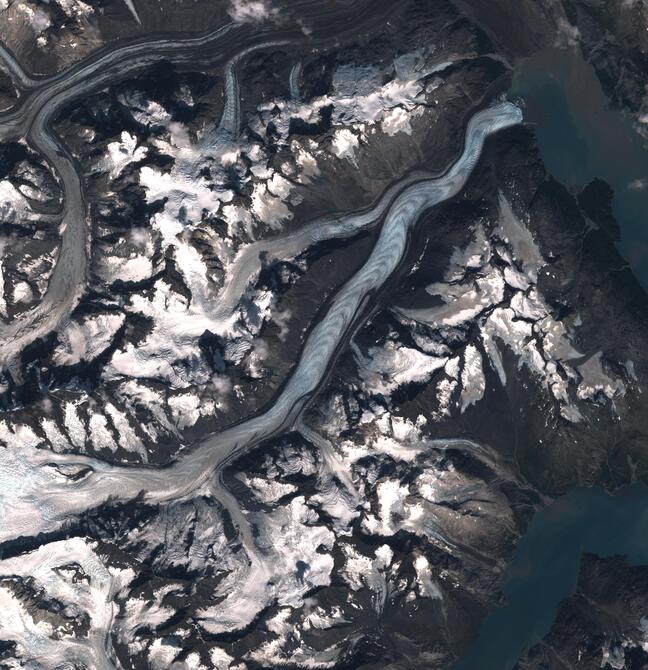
{"points": [[638, 185], [250, 10]]}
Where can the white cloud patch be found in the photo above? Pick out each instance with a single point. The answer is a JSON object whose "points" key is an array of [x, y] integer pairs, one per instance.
{"points": [[251, 10], [638, 185]]}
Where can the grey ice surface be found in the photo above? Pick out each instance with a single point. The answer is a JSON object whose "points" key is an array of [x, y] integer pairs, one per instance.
{"points": [[40, 490]]}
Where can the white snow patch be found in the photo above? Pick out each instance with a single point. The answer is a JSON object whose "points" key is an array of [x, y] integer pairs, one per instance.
{"points": [[387, 368], [85, 340], [426, 586], [121, 154], [396, 120], [473, 382], [74, 426], [184, 409], [344, 144]]}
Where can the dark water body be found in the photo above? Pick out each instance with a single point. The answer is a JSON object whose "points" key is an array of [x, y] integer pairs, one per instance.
{"points": [[581, 138], [545, 567]]}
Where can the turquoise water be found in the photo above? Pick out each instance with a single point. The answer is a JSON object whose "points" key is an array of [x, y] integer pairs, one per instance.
{"points": [[581, 138], [546, 563]]}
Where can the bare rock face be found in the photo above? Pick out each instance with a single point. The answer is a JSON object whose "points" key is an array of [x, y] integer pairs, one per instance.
{"points": [[7, 90], [298, 332], [614, 40]]}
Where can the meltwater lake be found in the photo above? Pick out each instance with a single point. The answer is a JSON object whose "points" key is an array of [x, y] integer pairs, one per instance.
{"points": [[580, 138]]}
